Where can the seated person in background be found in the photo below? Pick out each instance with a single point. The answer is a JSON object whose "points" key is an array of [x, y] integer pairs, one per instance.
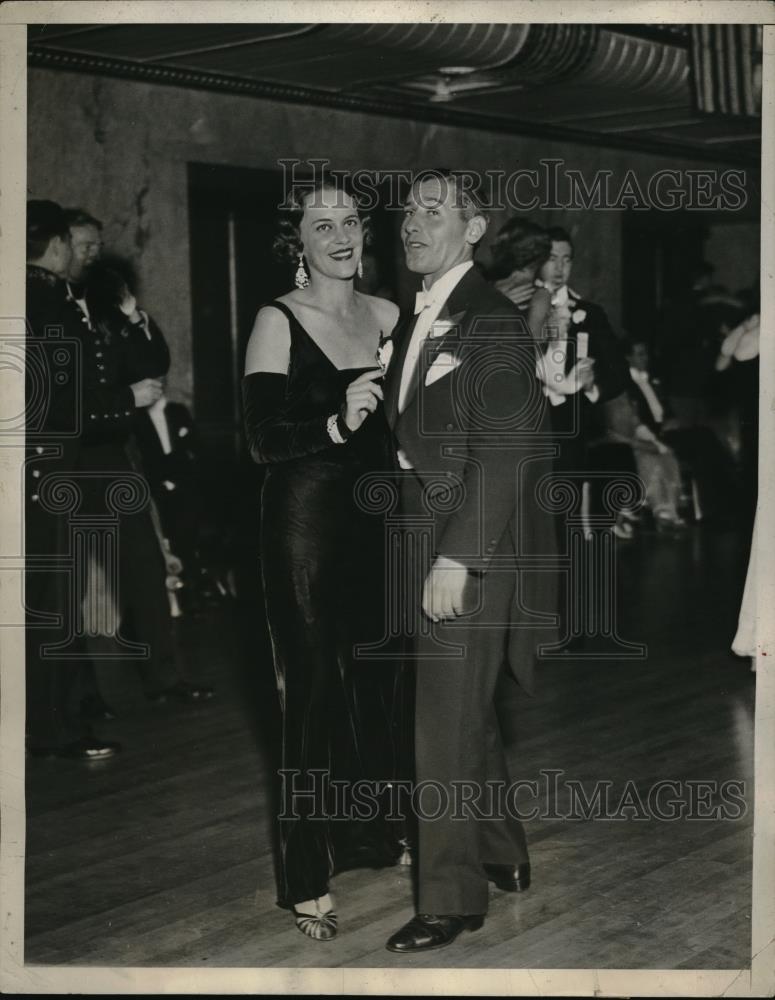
{"points": [[696, 447], [656, 464]]}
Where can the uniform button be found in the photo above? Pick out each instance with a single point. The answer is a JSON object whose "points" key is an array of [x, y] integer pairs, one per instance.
{"points": [[116, 414], [101, 368], [106, 415], [98, 354], [127, 413], [84, 319], [34, 498], [93, 416], [450, 427], [39, 450], [36, 473], [102, 381]]}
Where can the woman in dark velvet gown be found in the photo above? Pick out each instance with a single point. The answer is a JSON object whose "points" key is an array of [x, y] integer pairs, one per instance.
{"points": [[313, 415]]}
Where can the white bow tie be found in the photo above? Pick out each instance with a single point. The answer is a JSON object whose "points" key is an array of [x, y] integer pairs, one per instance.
{"points": [[424, 300]]}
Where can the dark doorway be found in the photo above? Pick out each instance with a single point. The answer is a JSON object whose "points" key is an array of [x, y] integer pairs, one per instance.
{"points": [[232, 218], [660, 258]]}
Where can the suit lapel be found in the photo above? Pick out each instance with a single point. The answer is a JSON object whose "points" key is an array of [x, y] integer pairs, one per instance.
{"points": [[401, 337], [454, 311]]}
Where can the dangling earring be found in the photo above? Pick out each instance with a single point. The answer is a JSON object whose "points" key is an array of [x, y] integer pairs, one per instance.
{"points": [[302, 278], [360, 268]]}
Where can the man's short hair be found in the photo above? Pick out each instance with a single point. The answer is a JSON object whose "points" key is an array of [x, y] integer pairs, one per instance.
{"points": [[559, 235], [45, 220], [80, 217], [467, 190]]}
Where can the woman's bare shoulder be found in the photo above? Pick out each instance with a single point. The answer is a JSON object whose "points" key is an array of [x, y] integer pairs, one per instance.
{"points": [[269, 345], [385, 311]]}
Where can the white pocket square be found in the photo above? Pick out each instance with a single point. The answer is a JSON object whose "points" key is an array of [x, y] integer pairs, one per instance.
{"points": [[443, 364]]}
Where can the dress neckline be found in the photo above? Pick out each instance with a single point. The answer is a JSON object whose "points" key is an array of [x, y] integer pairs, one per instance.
{"points": [[292, 315]]}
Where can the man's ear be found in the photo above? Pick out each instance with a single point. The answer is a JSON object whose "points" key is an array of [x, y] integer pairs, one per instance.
{"points": [[476, 228]]}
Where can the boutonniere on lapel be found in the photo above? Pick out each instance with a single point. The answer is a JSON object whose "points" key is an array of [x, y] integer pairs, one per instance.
{"points": [[578, 315], [384, 353]]}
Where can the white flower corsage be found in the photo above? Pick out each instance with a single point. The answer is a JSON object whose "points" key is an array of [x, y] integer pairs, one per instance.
{"points": [[384, 354], [579, 315]]}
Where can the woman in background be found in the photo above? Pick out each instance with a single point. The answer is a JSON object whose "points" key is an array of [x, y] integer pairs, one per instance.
{"points": [[313, 416], [519, 250]]}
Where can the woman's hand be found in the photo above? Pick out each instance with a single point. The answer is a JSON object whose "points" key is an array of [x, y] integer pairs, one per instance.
{"points": [[559, 321], [128, 306], [519, 291], [362, 398]]}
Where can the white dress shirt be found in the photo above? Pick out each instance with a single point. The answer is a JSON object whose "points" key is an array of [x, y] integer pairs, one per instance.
{"points": [[428, 305], [641, 379]]}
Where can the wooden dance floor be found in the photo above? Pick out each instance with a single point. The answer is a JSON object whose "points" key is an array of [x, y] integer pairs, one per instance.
{"points": [[162, 856]]}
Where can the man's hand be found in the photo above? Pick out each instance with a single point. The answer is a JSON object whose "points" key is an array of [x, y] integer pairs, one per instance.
{"points": [[585, 371], [172, 564], [147, 391], [442, 595]]}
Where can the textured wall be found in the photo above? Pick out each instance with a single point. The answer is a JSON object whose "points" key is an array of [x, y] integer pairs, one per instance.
{"points": [[120, 150]]}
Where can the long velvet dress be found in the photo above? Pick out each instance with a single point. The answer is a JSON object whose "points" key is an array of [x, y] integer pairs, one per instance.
{"points": [[322, 563]]}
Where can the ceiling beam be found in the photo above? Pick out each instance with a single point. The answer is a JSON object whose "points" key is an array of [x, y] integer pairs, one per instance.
{"points": [[51, 58]]}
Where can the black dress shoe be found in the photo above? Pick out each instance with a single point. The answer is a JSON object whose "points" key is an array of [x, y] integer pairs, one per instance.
{"points": [[427, 931], [510, 878], [87, 748]]}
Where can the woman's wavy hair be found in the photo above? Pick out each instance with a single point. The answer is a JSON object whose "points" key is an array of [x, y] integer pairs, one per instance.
{"points": [[287, 243], [520, 244]]}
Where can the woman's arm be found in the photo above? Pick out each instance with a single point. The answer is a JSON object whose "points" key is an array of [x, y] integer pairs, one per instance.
{"points": [[538, 312], [271, 436]]}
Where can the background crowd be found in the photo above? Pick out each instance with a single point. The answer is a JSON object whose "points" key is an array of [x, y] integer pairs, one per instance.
{"points": [[680, 412]]}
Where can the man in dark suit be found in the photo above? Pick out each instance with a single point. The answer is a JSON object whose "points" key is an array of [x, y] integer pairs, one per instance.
{"points": [[590, 368], [71, 401], [471, 437], [129, 349], [169, 447]]}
